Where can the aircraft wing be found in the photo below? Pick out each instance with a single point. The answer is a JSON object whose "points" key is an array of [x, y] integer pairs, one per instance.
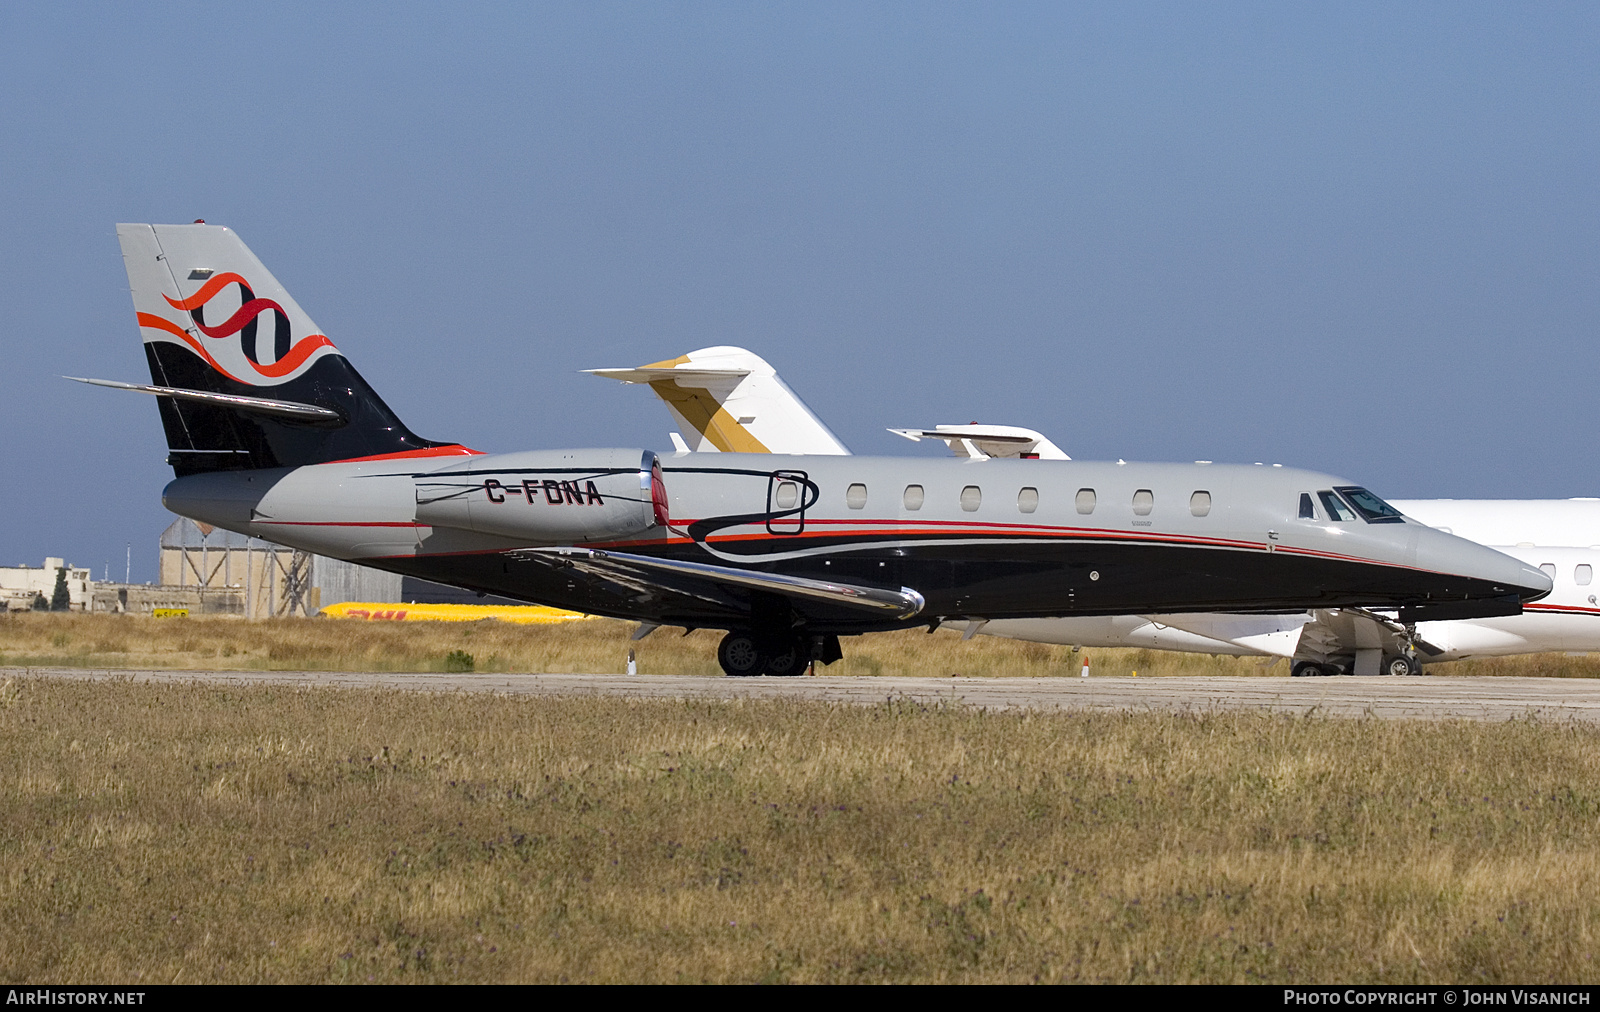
{"points": [[709, 582], [1275, 635]]}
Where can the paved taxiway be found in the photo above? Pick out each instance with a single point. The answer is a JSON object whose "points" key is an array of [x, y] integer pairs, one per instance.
{"points": [[1560, 699]]}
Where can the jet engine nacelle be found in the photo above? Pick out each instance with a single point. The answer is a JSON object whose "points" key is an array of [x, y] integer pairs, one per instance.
{"points": [[548, 496]]}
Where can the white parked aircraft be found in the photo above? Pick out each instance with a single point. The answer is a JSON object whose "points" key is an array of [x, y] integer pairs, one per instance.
{"points": [[1561, 537]]}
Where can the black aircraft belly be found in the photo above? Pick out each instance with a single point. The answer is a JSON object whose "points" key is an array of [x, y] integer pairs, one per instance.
{"points": [[992, 581]]}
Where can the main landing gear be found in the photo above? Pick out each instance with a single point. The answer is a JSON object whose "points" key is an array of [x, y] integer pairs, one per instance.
{"points": [[1395, 664], [743, 654], [1311, 669]]}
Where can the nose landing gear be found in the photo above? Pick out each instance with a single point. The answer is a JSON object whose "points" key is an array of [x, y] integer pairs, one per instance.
{"points": [[1400, 665], [1406, 662]]}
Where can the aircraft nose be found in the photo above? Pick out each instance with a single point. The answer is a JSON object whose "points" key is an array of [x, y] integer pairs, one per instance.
{"points": [[1484, 567], [1537, 582], [1529, 583]]}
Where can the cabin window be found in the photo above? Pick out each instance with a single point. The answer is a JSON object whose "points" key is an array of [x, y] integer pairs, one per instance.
{"points": [[1028, 500], [1335, 506], [1583, 574], [1085, 501], [913, 497], [1548, 568], [855, 496], [1200, 503], [1307, 510], [1143, 502], [971, 498], [787, 494]]}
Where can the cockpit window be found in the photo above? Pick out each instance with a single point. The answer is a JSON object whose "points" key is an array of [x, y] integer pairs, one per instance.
{"points": [[1307, 510], [1335, 506], [1372, 509]]}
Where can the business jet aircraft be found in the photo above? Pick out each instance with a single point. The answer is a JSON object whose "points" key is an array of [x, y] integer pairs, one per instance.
{"points": [[272, 433], [1560, 537]]}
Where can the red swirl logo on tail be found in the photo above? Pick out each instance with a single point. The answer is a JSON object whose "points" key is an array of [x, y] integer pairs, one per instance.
{"points": [[245, 321]]}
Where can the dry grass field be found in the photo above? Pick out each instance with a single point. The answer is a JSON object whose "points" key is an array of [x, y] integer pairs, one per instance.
{"points": [[592, 646], [154, 833]]}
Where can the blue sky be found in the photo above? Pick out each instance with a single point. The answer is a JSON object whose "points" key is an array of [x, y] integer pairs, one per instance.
{"points": [[1357, 238]]}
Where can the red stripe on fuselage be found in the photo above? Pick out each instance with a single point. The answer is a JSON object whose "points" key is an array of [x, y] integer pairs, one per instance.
{"points": [[342, 523], [453, 450], [1562, 609]]}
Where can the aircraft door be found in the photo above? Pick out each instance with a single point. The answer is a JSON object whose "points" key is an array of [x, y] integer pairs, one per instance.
{"points": [[788, 495]]}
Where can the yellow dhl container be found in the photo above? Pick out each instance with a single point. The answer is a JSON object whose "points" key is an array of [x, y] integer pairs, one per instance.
{"points": [[530, 613]]}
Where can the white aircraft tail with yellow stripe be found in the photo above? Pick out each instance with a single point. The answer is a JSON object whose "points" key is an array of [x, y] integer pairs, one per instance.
{"points": [[730, 400]]}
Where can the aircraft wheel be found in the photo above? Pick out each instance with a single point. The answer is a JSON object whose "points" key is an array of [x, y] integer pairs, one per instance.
{"points": [[1306, 669], [1398, 667], [739, 655], [791, 661]]}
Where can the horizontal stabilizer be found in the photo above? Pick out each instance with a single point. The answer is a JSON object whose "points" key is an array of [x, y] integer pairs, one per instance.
{"points": [[916, 435], [259, 405], [983, 441], [649, 374], [901, 604]]}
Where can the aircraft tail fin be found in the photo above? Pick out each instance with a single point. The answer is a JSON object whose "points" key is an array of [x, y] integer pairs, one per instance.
{"points": [[244, 378], [730, 400]]}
